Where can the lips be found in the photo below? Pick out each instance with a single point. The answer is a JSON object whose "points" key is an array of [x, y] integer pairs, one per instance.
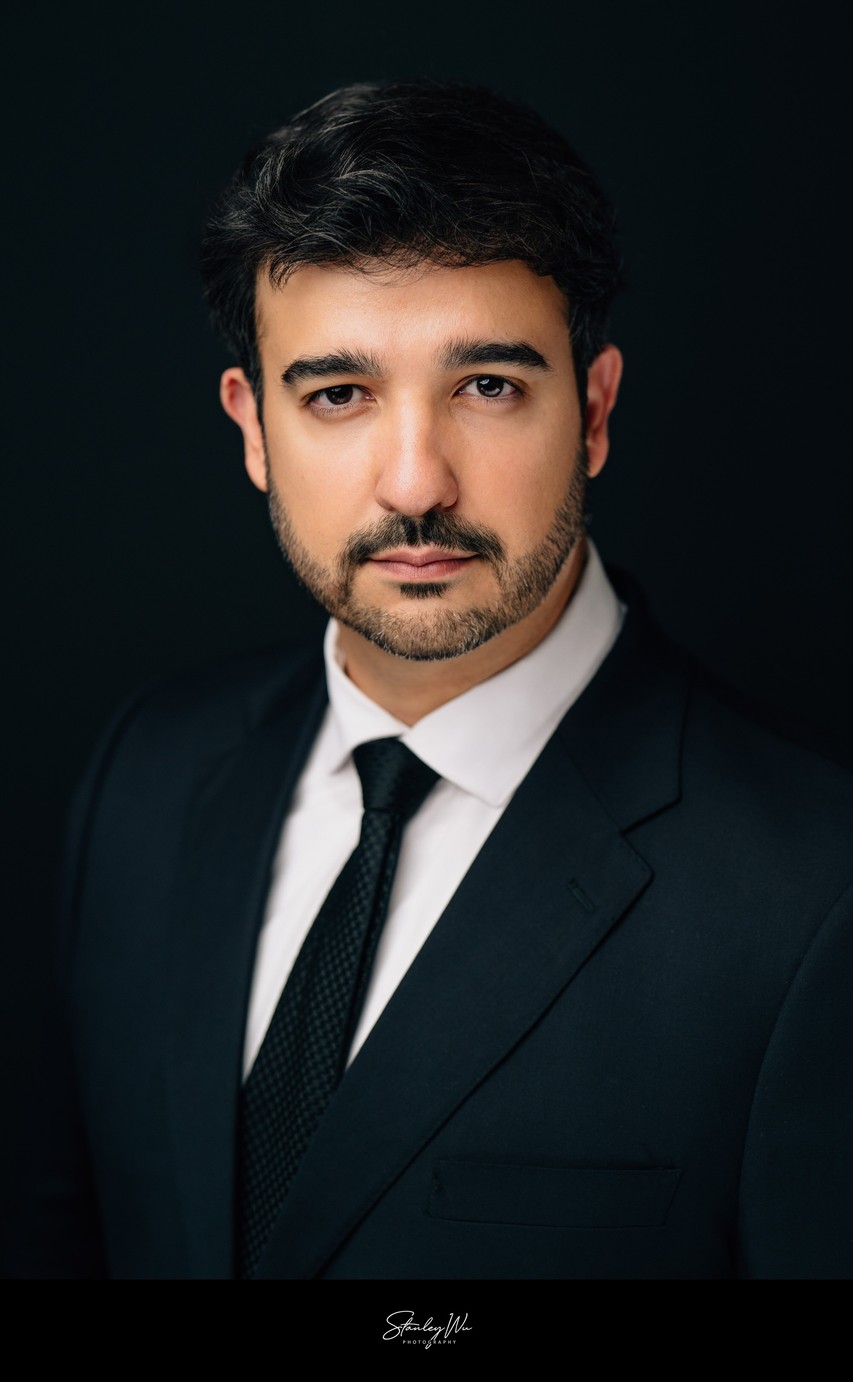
{"points": [[422, 563]]}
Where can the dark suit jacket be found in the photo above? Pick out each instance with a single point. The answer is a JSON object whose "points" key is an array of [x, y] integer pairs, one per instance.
{"points": [[623, 1052]]}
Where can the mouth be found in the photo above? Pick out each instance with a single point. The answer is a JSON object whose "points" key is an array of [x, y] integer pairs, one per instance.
{"points": [[422, 563]]}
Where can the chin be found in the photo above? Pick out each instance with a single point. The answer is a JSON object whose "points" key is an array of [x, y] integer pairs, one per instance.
{"points": [[442, 635]]}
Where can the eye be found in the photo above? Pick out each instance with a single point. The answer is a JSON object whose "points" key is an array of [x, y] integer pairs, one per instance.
{"points": [[492, 387], [335, 399]]}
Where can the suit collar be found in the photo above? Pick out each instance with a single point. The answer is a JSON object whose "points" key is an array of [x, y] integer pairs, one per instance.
{"points": [[624, 733]]}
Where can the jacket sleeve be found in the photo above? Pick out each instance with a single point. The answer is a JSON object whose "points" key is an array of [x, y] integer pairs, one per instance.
{"points": [[796, 1203], [52, 1227]]}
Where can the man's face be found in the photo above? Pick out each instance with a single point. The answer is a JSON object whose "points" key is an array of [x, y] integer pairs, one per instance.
{"points": [[424, 448]]}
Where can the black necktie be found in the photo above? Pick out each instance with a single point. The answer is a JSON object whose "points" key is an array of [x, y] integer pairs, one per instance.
{"points": [[304, 1052]]}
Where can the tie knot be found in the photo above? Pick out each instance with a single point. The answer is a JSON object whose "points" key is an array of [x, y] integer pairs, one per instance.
{"points": [[393, 778]]}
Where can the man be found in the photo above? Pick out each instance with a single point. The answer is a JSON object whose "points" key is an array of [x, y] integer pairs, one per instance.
{"points": [[486, 941]]}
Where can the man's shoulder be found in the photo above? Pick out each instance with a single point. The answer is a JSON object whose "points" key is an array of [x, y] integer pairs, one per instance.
{"points": [[733, 804], [765, 740], [744, 744], [757, 782], [202, 712], [249, 684], [740, 777]]}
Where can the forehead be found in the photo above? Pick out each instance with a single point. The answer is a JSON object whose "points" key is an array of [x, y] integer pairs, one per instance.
{"points": [[323, 307]]}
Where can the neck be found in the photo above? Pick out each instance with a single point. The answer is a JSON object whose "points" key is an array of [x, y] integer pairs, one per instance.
{"points": [[409, 690]]}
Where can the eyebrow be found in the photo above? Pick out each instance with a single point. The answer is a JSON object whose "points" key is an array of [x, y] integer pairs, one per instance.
{"points": [[457, 355], [340, 362]]}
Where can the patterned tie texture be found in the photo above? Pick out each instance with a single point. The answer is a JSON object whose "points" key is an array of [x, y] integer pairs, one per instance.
{"points": [[304, 1053]]}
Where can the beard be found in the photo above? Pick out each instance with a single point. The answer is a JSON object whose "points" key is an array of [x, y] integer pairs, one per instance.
{"points": [[437, 633]]}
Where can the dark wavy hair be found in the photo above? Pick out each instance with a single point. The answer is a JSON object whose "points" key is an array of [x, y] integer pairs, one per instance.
{"points": [[406, 171]]}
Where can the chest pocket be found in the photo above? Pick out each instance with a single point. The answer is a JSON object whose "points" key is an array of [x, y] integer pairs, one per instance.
{"points": [[579, 1197]]}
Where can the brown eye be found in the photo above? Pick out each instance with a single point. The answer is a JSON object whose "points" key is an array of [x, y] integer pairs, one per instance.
{"points": [[340, 394], [338, 398], [491, 386]]}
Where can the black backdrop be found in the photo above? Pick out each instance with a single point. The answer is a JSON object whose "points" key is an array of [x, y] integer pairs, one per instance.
{"points": [[138, 545]]}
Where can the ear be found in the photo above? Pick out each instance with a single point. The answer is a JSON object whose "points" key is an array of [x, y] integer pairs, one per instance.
{"points": [[602, 387], [238, 400]]}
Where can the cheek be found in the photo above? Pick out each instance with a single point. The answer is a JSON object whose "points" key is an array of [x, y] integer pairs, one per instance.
{"points": [[516, 486], [318, 485]]}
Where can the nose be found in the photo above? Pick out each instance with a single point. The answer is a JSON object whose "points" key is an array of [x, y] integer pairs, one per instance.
{"points": [[413, 463]]}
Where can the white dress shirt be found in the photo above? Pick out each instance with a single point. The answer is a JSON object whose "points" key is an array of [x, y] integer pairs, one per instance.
{"points": [[482, 744]]}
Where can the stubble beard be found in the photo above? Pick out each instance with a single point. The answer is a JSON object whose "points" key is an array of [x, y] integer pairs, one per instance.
{"points": [[437, 633]]}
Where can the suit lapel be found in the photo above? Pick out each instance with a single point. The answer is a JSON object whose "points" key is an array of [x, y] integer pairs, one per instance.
{"points": [[231, 837], [551, 881]]}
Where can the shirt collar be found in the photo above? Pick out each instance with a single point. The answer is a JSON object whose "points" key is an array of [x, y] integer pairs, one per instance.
{"points": [[487, 739]]}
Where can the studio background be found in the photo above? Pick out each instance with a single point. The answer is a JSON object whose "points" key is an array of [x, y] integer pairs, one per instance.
{"points": [[138, 546]]}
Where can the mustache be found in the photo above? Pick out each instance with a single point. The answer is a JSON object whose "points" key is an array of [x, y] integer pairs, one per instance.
{"points": [[433, 529]]}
